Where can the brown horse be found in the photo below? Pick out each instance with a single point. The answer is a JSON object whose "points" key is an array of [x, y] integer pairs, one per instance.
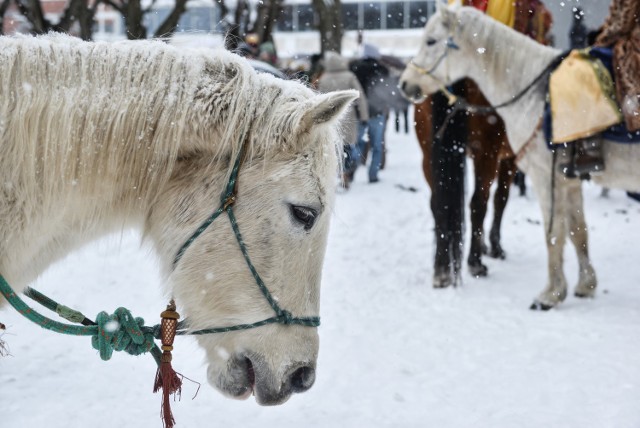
{"points": [[492, 158]]}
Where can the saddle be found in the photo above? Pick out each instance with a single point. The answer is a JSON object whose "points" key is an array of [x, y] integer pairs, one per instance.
{"points": [[582, 100]]}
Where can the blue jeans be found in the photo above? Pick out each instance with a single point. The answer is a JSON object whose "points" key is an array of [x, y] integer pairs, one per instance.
{"points": [[375, 128]]}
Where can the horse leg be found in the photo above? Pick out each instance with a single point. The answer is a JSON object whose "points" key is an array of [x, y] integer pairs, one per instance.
{"points": [[520, 181], [442, 275], [553, 204], [423, 126], [478, 208], [448, 161], [587, 281], [424, 133], [405, 115], [506, 172]]}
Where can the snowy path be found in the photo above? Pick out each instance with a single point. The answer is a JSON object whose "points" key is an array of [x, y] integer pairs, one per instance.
{"points": [[394, 351]]}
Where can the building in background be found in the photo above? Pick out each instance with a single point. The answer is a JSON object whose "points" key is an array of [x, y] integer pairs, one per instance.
{"points": [[394, 26]]}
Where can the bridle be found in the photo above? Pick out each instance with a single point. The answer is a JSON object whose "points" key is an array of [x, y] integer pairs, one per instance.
{"points": [[459, 103], [449, 45], [226, 205]]}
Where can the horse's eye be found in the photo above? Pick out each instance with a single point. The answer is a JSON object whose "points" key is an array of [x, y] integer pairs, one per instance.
{"points": [[431, 42], [304, 215]]}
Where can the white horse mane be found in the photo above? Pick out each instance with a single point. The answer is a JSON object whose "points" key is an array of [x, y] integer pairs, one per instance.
{"points": [[500, 51], [150, 89]]}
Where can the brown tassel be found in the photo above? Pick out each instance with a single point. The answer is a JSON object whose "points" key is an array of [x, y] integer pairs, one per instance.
{"points": [[166, 378]]}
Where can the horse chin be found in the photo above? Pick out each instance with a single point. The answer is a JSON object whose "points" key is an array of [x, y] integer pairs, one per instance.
{"points": [[237, 380]]}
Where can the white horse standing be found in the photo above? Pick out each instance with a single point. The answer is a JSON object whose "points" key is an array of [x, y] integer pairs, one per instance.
{"points": [[96, 137], [463, 42]]}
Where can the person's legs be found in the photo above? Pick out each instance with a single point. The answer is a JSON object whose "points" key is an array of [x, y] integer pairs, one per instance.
{"points": [[350, 161], [376, 130], [361, 144]]}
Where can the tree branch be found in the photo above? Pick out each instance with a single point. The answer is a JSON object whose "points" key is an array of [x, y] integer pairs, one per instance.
{"points": [[32, 10], [168, 27]]}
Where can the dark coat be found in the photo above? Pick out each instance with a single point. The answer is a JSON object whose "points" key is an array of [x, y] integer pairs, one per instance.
{"points": [[374, 78]]}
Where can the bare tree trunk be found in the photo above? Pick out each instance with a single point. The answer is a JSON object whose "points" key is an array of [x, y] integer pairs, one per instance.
{"points": [[32, 10], [78, 10], [266, 20], [329, 14], [86, 19], [133, 15], [4, 6], [168, 27], [237, 29]]}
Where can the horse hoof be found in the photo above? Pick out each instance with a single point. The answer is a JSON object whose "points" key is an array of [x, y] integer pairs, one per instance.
{"points": [[497, 253], [583, 295], [478, 270], [539, 306], [442, 281], [443, 284]]}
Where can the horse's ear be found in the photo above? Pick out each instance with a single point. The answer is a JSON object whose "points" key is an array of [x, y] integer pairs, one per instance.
{"points": [[448, 13], [327, 107]]}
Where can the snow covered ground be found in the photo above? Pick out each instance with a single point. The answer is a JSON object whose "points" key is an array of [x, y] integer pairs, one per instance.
{"points": [[394, 351]]}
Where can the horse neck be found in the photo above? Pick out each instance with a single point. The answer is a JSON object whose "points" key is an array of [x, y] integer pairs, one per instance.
{"points": [[503, 62]]}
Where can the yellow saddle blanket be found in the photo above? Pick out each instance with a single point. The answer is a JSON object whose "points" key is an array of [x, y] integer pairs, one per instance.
{"points": [[582, 98]]}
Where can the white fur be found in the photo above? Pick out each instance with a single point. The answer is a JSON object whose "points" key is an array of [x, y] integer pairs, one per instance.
{"points": [[502, 62], [96, 137]]}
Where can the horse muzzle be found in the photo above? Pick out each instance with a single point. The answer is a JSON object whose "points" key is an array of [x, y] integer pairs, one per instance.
{"points": [[249, 374], [411, 91]]}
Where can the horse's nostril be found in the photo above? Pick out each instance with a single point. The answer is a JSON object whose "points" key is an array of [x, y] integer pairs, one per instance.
{"points": [[302, 379], [403, 85]]}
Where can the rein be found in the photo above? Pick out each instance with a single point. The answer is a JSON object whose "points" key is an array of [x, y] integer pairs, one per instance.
{"points": [[460, 103], [123, 332]]}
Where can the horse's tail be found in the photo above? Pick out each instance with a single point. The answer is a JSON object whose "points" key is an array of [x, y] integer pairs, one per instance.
{"points": [[448, 169]]}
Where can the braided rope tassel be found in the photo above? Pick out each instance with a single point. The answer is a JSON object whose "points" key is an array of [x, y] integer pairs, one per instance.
{"points": [[166, 378]]}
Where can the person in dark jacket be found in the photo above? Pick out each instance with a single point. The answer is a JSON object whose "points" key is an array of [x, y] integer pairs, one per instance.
{"points": [[336, 76], [374, 79], [578, 34]]}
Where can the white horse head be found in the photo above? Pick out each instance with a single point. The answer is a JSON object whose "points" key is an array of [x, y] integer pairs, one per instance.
{"points": [[284, 201], [429, 70], [110, 135]]}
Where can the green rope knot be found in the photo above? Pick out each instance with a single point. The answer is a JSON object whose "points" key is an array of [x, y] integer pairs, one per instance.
{"points": [[121, 332], [285, 317]]}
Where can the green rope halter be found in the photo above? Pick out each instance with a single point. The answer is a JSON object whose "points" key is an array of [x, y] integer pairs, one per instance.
{"points": [[123, 332]]}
